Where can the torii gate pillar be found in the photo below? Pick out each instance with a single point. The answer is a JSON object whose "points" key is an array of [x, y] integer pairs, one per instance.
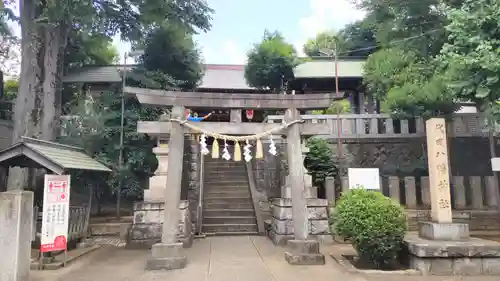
{"points": [[303, 251]]}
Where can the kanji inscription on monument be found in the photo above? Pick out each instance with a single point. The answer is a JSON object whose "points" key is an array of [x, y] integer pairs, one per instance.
{"points": [[437, 153]]}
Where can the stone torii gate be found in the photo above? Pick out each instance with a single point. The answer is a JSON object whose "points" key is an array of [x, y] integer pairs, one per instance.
{"points": [[168, 253]]}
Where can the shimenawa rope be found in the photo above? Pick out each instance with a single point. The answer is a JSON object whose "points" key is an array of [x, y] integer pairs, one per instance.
{"points": [[237, 138]]}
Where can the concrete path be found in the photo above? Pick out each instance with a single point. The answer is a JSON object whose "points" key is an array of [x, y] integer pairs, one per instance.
{"points": [[237, 258]]}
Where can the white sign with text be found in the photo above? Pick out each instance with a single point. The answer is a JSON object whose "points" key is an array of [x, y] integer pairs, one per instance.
{"points": [[367, 178], [55, 216]]}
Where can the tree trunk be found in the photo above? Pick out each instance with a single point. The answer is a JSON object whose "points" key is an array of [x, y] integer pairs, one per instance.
{"points": [[26, 109], [55, 38]]}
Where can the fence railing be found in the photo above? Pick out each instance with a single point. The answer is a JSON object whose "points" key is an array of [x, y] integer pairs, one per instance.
{"points": [[382, 125], [476, 193], [77, 226], [6, 108]]}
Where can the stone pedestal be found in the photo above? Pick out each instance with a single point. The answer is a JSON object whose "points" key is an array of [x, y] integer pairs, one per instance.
{"points": [[16, 224], [146, 229], [443, 231], [167, 257], [282, 224], [304, 252], [158, 182], [472, 256]]}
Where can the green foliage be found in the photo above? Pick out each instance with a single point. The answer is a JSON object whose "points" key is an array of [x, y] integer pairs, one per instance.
{"points": [[403, 74], [337, 107], [10, 87], [357, 39], [89, 49], [375, 224], [171, 58], [95, 126], [319, 161], [408, 84], [328, 40], [270, 63], [470, 61]]}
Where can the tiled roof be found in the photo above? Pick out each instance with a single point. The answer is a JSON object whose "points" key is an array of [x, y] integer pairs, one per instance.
{"points": [[220, 76], [224, 76], [325, 68], [94, 74], [57, 157], [217, 76]]}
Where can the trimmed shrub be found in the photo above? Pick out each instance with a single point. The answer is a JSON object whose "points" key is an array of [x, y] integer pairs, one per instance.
{"points": [[375, 224]]}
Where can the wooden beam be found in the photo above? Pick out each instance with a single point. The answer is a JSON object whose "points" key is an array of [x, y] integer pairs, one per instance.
{"points": [[227, 100]]}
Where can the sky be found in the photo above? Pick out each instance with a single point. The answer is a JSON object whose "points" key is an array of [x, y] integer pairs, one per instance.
{"points": [[238, 24]]}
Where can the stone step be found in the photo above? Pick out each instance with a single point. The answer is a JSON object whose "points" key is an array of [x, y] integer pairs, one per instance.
{"points": [[225, 183], [224, 203], [229, 220], [228, 212], [226, 175], [230, 164], [208, 196], [245, 233], [222, 228], [224, 180], [218, 170], [223, 188], [225, 172]]}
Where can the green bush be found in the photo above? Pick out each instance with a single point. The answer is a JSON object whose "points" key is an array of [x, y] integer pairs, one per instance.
{"points": [[375, 224], [320, 161]]}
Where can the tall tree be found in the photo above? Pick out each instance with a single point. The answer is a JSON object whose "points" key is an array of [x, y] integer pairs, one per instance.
{"points": [[470, 61], [88, 49], [45, 26], [270, 63], [358, 39], [329, 40], [410, 34], [171, 58]]}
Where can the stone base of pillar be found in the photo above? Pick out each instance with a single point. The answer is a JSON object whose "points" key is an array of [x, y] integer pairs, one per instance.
{"points": [[281, 229], [443, 231], [146, 228], [166, 257], [304, 252], [446, 249]]}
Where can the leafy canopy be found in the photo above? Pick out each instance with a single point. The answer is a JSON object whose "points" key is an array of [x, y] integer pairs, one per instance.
{"points": [[327, 40], [171, 58], [471, 58], [270, 63], [404, 74]]}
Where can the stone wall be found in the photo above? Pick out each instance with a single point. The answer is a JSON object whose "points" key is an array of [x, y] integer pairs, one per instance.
{"points": [[192, 176], [269, 176], [478, 220], [146, 229], [407, 157], [282, 225]]}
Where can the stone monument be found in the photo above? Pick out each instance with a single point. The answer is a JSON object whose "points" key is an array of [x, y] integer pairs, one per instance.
{"points": [[146, 228], [16, 224], [443, 247]]}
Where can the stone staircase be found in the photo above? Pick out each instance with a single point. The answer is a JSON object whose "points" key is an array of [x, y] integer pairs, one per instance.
{"points": [[227, 202]]}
